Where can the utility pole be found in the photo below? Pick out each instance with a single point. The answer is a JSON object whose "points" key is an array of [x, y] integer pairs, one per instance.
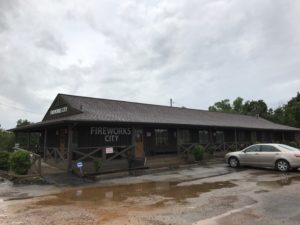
{"points": [[171, 102]]}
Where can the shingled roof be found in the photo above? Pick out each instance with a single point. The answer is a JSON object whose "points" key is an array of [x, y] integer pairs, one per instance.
{"points": [[104, 110]]}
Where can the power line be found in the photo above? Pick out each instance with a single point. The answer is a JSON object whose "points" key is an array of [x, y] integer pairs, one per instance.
{"points": [[20, 109]]}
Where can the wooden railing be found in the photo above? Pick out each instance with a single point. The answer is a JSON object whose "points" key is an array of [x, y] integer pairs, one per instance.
{"points": [[53, 153], [90, 152], [187, 148]]}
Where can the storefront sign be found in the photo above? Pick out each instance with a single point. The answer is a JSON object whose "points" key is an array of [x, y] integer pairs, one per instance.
{"points": [[59, 110], [111, 134]]}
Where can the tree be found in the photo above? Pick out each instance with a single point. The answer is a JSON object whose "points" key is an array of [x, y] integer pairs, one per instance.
{"points": [[288, 114], [222, 106], [7, 140], [22, 123], [238, 105], [254, 108]]}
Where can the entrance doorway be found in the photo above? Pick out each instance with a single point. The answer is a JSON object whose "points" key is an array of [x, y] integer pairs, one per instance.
{"points": [[139, 144], [63, 138]]}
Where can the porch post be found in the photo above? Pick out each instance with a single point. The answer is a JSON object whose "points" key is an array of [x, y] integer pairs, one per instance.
{"points": [[45, 143], [28, 140], [235, 138], [177, 143], [70, 149]]}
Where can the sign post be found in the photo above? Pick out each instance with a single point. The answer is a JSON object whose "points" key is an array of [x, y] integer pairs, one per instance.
{"points": [[79, 166]]}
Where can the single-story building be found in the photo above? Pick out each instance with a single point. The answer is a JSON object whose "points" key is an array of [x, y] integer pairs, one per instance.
{"points": [[120, 134]]}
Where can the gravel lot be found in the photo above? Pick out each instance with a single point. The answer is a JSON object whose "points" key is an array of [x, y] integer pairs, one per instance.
{"points": [[209, 195]]}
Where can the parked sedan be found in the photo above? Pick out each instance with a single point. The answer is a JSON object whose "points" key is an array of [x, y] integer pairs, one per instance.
{"points": [[279, 156]]}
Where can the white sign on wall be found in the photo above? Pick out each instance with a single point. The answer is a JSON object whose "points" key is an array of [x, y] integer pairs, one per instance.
{"points": [[59, 110], [109, 150]]}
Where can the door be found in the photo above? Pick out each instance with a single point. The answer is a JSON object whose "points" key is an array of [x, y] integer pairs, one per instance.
{"points": [[268, 155], [139, 144], [250, 156], [62, 142]]}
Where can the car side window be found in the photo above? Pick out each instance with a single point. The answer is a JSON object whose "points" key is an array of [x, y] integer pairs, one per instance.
{"points": [[254, 148], [268, 148]]}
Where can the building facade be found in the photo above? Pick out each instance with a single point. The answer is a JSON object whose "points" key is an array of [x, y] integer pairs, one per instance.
{"points": [[117, 135]]}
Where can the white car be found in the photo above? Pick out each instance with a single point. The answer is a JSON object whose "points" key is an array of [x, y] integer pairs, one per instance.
{"points": [[279, 156]]}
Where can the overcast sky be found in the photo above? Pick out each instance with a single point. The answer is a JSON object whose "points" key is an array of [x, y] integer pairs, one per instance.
{"points": [[196, 52]]}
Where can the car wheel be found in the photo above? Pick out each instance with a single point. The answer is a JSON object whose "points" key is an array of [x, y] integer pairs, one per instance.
{"points": [[282, 165], [233, 162]]}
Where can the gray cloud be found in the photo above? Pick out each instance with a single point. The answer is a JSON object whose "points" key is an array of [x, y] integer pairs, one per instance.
{"points": [[196, 52], [51, 43]]}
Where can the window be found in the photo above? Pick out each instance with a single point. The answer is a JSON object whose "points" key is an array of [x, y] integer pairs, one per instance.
{"points": [[290, 148], [203, 137], [253, 148], [219, 137], [161, 137], [241, 136], [268, 148], [184, 136]]}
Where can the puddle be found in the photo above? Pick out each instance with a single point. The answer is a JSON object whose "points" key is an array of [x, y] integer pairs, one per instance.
{"points": [[166, 191], [261, 191], [283, 181]]}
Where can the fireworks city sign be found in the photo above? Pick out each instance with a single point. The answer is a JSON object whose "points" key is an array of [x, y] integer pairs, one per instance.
{"points": [[111, 134]]}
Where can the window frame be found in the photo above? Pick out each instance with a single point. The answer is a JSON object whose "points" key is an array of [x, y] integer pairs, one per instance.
{"points": [[161, 137]]}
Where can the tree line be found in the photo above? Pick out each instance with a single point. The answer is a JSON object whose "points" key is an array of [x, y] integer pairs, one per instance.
{"points": [[287, 114]]}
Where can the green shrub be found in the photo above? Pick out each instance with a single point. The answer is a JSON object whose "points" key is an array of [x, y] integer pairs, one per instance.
{"points": [[198, 152], [292, 144], [4, 160], [97, 165], [20, 162], [233, 148]]}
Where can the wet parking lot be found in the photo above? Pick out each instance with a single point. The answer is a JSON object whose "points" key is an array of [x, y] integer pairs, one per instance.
{"points": [[212, 194]]}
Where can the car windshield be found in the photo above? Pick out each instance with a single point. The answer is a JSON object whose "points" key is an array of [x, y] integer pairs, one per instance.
{"points": [[290, 148]]}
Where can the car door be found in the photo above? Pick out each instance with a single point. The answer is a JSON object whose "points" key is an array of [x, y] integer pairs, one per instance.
{"points": [[267, 155], [250, 155]]}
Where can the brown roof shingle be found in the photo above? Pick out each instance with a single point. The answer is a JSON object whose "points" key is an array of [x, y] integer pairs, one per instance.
{"points": [[104, 110]]}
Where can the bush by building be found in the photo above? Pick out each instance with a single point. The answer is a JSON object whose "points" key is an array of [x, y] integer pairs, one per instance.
{"points": [[198, 152], [4, 160], [20, 162]]}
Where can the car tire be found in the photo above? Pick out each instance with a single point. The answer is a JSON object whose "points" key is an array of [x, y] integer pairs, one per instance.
{"points": [[233, 162], [282, 165]]}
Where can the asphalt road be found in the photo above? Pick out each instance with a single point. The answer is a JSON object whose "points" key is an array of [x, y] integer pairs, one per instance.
{"points": [[205, 195]]}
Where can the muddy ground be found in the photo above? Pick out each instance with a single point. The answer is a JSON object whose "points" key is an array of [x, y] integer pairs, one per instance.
{"points": [[208, 195]]}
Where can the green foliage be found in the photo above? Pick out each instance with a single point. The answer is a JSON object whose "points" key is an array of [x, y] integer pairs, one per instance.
{"points": [[255, 108], [198, 152], [238, 105], [288, 114], [20, 162], [232, 148], [222, 106], [4, 160], [22, 123], [7, 140], [293, 144], [97, 165]]}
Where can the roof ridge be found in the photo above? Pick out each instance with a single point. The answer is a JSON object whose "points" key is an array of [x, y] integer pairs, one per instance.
{"points": [[156, 105]]}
